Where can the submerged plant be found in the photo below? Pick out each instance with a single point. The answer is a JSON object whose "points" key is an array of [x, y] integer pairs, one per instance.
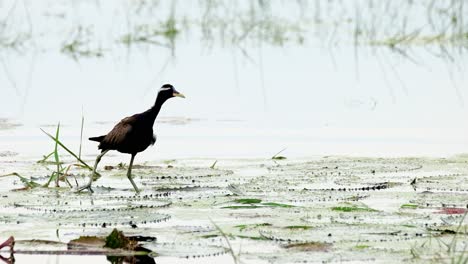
{"points": [[446, 251]]}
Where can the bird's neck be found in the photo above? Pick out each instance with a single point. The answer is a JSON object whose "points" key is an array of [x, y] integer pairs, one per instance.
{"points": [[154, 111]]}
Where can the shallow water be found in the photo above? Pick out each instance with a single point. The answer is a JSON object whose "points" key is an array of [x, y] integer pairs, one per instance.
{"points": [[331, 209], [330, 81], [322, 95]]}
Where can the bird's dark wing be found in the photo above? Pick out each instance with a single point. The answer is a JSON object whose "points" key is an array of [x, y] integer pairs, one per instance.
{"points": [[154, 139], [116, 137]]}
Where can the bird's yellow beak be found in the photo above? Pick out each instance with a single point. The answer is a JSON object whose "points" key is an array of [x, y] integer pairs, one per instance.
{"points": [[177, 94]]}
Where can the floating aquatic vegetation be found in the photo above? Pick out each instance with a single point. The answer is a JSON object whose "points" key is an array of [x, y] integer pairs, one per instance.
{"points": [[323, 207], [353, 208], [41, 206], [248, 201], [409, 206]]}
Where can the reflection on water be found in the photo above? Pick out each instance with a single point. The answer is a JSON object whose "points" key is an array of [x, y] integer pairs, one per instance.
{"points": [[72, 259], [94, 28], [8, 260], [131, 259], [299, 74], [110, 259]]}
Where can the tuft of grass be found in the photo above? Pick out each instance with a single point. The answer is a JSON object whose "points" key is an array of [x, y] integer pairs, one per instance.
{"points": [[84, 164], [61, 170], [277, 157]]}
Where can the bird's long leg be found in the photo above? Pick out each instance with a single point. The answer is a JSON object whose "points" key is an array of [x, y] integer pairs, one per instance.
{"points": [[88, 185], [129, 173]]}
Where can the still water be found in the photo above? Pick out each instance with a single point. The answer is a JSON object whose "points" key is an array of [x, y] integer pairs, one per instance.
{"points": [[258, 77], [371, 78]]}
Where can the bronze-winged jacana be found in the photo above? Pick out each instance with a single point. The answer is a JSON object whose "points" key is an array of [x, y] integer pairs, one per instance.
{"points": [[132, 134]]}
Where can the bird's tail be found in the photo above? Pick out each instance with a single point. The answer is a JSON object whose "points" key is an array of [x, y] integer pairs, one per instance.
{"points": [[98, 139]]}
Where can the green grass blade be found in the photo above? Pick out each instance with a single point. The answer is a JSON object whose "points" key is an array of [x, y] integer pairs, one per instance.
{"points": [[248, 201], [25, 181], [56, 155], [51, 178], [46, 157], [276, 157], [81, 135], [223, 234], [68, 150], [214, 164]]}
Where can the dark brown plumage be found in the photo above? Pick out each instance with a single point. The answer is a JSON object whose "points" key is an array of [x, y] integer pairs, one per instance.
{"points": [[133, 134]]}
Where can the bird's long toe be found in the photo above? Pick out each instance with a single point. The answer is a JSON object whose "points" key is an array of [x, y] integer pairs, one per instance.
{"points": [[82, 188]]}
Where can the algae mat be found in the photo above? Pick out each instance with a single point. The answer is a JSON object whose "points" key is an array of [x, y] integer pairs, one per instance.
{"points": [[327, 209]]}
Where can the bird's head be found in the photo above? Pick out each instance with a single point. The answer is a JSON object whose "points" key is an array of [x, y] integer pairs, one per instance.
{"points": [[168, 91]]}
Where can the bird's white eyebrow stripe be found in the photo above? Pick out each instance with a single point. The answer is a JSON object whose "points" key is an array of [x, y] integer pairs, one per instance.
{"points": [[165, 88]]}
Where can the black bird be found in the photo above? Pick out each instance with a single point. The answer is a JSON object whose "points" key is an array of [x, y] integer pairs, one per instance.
{"points": [[132, 134]]}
